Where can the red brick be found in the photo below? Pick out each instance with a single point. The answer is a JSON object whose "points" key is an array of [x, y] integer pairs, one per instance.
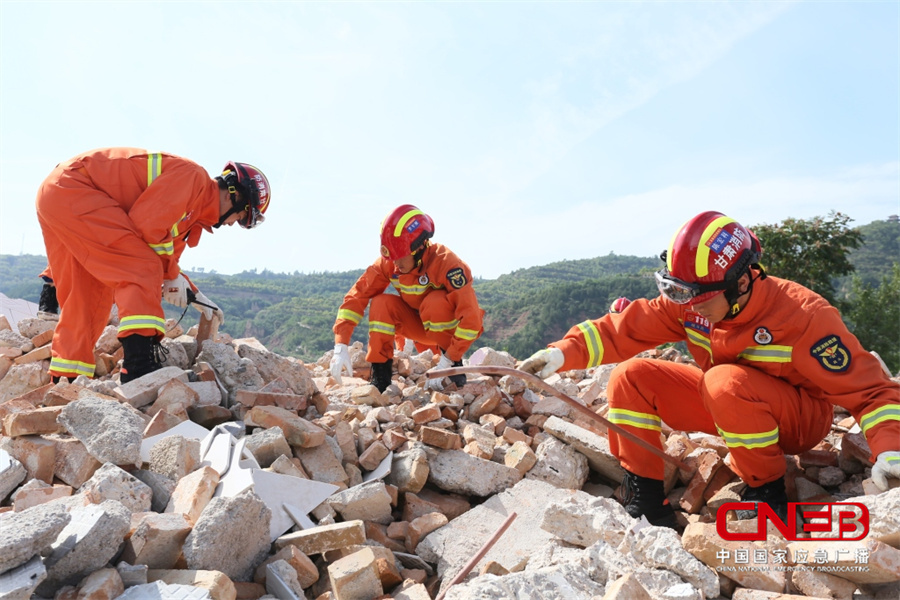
{"points": [[42, 338], [440, 438], [35, 421]]}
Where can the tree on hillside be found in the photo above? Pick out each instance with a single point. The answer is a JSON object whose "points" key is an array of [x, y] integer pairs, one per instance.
{"points": [[874, 316], [811, 252]]}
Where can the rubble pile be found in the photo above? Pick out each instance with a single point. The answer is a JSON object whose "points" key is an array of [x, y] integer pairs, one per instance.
{"points": [[234, 472]]}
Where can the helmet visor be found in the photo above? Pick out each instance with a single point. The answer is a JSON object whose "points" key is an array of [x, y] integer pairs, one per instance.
{"points": [[682, 292]]}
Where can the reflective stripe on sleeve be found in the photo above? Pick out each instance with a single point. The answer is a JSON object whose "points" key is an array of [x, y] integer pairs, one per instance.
{"points": [[888, 412], [465, 334], [592, 341]]}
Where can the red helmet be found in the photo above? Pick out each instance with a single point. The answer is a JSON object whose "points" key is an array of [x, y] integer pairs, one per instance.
{"points": [[254, 189], [706, 256], [404, 231]]}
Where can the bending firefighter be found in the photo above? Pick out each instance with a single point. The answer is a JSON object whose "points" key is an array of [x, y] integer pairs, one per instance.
{"points": [[115, 222], [774, 356], [435, 305]]}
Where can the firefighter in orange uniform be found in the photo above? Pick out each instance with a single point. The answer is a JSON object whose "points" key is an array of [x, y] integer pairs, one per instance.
{"points": [[435, 304], [115, 222], [774, 356]]}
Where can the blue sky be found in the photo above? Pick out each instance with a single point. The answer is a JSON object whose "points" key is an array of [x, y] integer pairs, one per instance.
{"points": [[531, 132]]}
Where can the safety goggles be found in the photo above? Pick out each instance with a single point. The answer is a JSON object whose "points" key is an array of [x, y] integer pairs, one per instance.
{"points": [[682, 292], [253, 216]]}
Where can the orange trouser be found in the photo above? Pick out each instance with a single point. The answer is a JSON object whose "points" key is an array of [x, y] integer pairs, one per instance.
{"points": [[430, 327], [761, 418], [97, 258]]}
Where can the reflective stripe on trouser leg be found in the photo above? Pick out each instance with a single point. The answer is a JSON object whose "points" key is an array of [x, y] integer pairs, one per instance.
{"points": [[762, 418], [643, 394], [438, 318], [390, 316]]}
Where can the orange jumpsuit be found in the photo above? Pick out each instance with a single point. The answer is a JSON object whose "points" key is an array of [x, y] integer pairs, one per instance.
{"points": [[767, 382], [435, 306], [115, 222]]}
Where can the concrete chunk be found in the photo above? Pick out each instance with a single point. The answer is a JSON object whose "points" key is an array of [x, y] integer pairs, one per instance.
{"points": [[231, 535], [456, 471], [25, 534], [144, 390], [110, 432], [88, 542], [19, 583], [594, 447]]}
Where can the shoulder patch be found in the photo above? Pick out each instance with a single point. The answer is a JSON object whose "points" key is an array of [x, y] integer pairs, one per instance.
{"points": [[831, 353], [457, 278]]}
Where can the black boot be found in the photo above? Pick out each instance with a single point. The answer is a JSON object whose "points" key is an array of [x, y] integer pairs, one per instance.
{"points": [[771, 493], [143, 355], [48, 302], [645, 496], [381, 374], [459, 380]]}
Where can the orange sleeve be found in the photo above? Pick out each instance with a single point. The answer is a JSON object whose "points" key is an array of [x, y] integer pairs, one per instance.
{"points": [[159, 210], [372, 282], [644, 324], [456, 278], [833, 359]]}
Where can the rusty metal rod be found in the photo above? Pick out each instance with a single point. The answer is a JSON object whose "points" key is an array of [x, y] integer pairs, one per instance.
{"points": [[546, 387], [480, 554]]}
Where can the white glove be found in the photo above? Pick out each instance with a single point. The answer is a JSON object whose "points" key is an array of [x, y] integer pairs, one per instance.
{"points": [[210, 313], [887, 465], [174, 291], [544, 363], [340, 362], [409, 347], [436, 384]]}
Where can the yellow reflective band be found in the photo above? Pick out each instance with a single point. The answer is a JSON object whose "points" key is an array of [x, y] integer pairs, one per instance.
{"points": [[166, 248], [699, 339], [414, 290], [592, 341], [349, 315], [465, 334], [142, 322], [749, 440], [154, 167], [701, 266], [404, 220], [432, 326], [175, 226], [889, 412], [381, 327], [770, 354], [621, 416], [61, 365]]}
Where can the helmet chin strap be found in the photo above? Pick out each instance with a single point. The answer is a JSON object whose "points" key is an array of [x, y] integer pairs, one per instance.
{"points": [[732, 293], [232, 195]]}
